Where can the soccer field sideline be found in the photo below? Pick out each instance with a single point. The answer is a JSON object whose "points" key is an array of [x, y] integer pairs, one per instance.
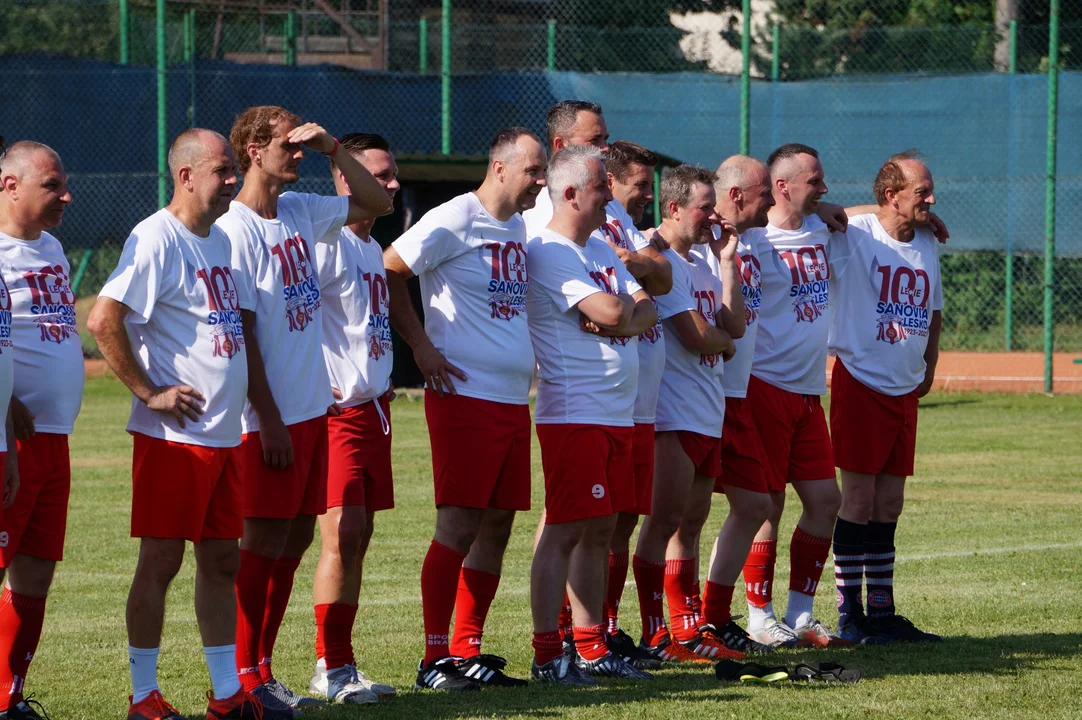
{"points": [[1005, 493]]}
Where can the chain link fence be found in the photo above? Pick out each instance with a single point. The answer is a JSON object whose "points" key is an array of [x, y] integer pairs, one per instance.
{"points": [[972, 98]]}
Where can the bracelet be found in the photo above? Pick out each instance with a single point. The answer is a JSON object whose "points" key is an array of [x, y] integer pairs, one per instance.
{"points": [[333, 150]]}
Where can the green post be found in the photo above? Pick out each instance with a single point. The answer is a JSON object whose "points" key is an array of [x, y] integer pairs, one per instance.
{"points": [[1050, 191], [189, 61], [445, 78], [291, 38], [657, 196], [84, 263], [125, 33], [422, 45], [1008, 298], [775, 61], [550, 61], [163, 125], [745, 81]]}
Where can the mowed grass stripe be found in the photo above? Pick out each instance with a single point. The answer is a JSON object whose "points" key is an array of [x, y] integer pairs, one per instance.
{"points": [[997, 484]]}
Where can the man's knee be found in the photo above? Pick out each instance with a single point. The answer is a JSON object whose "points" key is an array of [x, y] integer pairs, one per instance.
{"points": [[457, 527], [301, 531], [888, 508], [560, 538], [755, 509], [159, 560], [31, 576], [217, 560], [825, 501], [265, 536], [497, 526]]}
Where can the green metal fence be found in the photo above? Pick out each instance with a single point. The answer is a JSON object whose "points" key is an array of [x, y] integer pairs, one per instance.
{"points": [[1009, 295]]}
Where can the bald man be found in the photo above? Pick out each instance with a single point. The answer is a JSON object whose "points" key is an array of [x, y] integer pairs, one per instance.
{"points": [[46, 396], [168, 321]]}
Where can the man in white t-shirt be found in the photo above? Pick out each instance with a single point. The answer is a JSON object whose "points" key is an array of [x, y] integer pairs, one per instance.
{"points": [[46, 395], [474, 352], [701, 315], [274, 235], [888, 302], [168, 321], [359, 357], [584, 310], [788, 378]]}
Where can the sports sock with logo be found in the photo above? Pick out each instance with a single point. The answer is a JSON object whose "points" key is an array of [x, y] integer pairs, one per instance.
{"points": [[21, 618], [807, 557], [650, 586], [143, 666], [223, 670], [614, 589], [547, 646], [879, 568], [590, 642], [278, 592], [759, 581], [252, 587], [849, 567], [334, 634], [717, 603], [476, 590], [439, 585], [681, 590]]}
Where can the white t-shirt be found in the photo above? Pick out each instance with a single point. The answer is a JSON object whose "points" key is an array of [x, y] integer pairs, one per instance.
{"points": [[7, 357], [620, 229], [692, 397], [185, 326], [794, 316], [473, 286], [276, 258], [582, 378], [885, 292], [738, 369], [48, 355], [356, 324]]}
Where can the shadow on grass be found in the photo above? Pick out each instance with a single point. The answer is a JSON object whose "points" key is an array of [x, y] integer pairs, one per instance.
{"points": [[947, 402]]}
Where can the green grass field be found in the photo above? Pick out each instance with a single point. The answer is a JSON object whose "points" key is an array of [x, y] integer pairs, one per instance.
{"points": [[988, 547]]}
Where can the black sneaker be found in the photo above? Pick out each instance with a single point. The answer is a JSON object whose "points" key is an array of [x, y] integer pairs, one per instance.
{"points": [[488, 670], [737, 638], [561, 671], [23, 711], [442, 674], [614, 666], [858, 630], [622, 644], [899, 627]]}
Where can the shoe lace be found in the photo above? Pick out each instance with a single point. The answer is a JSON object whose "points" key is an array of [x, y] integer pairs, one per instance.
{"points": [[33, 704], [251, 700]]}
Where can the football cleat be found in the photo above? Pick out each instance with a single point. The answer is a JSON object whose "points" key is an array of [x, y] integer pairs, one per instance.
{"points": [[708, 645], [488, 670], [152, 707], [344, 687], [816, 634], [442, 674], [669, 651], [737, 638], [858, 630], [622, 644], [775, 634], [612, 665], [244, 705], [318, 686], [899, 627], [561, 671], [31, 709]]}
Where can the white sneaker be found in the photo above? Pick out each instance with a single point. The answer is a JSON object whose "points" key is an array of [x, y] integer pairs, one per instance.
{"points": [[319, 682], [775, 634]]}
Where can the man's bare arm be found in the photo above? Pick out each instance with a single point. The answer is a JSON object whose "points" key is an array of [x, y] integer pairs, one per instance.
{"points": [[273, 434], [931, 353]]}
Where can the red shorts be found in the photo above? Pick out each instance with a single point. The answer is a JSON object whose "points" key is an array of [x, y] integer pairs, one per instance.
{"points": [[793, 430], [37, 520], [480, 452], [642, 460], [588, 471], [742, 451], [359, 457], [299, 489], [703, 450], [184, 491], [873, 433]]}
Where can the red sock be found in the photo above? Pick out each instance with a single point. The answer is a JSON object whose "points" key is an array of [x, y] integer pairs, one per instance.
{"points": [[650, 586], [564, 622], [334, 634], [759, 572], [807, 555], [547, 646], [615, 590], [476, 589], [252, 586], [439, 582], [21, 618], [278, 592], [680, 582], [590, 642], [717, 603]]}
